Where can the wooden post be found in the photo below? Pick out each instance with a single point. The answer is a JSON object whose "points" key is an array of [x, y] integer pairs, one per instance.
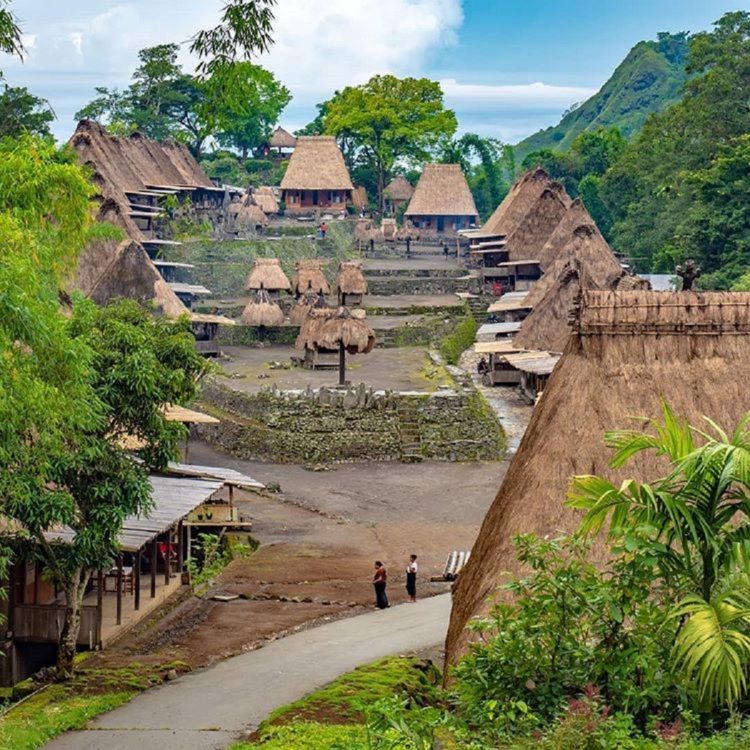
{"points": [[119, 589], [167, 557], [180, 550], [137, 581], [99, 602], [342, 364], [154, 560], [36, 582]]}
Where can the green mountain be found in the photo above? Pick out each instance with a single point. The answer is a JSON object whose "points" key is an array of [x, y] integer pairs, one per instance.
{"points": [[649, 79]]}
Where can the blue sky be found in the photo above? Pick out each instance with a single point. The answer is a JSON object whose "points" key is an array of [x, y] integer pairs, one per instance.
{"points": [[507, 67]]}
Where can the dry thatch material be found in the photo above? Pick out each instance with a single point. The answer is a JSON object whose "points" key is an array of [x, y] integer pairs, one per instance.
{"points": [[317, 164], [520, 200], [108, 270], [266, 199], [359, 198], [576, 216], [537, 226], [442, 190], [350, 279], [281, 138], [267, 274], [628, 350], [310, 275], [248, 215], [262, 312], [326, 329], [399, 190], [309, 300]]}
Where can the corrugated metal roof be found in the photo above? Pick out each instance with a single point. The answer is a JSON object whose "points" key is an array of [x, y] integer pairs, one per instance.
{"points": [[538, 363], [495, 328], [229, 476]]}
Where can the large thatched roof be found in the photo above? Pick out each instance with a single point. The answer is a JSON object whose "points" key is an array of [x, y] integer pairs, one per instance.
{"points": [[585, 261], [574, 217], [262, 311], [327, 328], [399, 189], [281, 138], [309, 274], [267, 274], [537, 226], [442, 190], [520, 199], [628, 350], [350, 279], [317, 164]]}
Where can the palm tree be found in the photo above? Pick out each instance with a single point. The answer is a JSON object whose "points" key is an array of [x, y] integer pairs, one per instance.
{"points": [[695, 524]]}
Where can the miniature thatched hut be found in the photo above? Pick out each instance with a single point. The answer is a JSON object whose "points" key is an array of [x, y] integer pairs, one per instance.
{"points": [[262, 312], [627, 351], [282, 140], [266, 199], [350, 284], [442, 201], [397, 193], [247, 215], [317, 178], [327, 331], [309, 275], [309, 300], [267, 274]]}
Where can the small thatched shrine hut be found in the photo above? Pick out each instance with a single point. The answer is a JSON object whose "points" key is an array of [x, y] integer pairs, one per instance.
{"points": [[266, 199], [397, 193], [316, 179], [626, 352], [267, 274], [282, 140], [262, 312], [329, 332], [247, 215], [350, 284], [309, 274], [442, 201], [308, 301]]}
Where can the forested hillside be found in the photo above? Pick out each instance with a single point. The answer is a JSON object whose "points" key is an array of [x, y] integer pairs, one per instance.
{"points": [[649, 79]]}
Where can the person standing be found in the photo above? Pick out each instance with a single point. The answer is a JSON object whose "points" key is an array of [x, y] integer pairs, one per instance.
{"points": [[323, 230], [379, 581], [411, 578]]}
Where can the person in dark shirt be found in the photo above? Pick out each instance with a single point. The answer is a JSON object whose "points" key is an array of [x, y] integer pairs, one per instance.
{"points": [[379, 581], [411, 578]]}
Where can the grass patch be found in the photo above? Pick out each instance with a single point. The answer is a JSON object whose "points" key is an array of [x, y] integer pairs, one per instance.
{"points": [[463, 336], [310, 736], [62, 707]]}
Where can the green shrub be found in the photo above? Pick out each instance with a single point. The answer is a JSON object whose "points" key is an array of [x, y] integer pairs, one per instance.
{"points": [[463, 336]]}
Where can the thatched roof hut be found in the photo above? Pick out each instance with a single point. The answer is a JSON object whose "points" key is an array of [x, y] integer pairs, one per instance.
{"points": [[442, 191], [317, 164], [248, 215], [267, 274], [309, 300], [262, 311], [350, 279], [627, 351], [266, 199], [576, 216], [309, 275], [281, 138], [527, 239], [398, 190]]}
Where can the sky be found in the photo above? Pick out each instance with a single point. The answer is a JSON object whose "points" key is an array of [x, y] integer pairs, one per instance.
{"points": [[508, 67]]}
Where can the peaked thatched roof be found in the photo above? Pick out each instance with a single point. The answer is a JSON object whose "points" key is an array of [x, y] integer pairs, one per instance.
{"points": [[266, 199], [519, 201], [248, 214], [262, 311], [327, 328], [309, 300], [317, 164], [576, 216], [350, 279], [537, 226], [281, 138], [310, 275], [267, 274], [399, 189], [628, 350], [442, 190]]}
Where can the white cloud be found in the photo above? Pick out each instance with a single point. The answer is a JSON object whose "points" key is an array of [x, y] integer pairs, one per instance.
{"points": [[475, 97]]}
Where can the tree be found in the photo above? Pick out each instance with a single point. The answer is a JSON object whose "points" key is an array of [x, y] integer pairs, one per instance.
{"points": [[22, 112], [388, 120], [694, 523], [10, 33]]}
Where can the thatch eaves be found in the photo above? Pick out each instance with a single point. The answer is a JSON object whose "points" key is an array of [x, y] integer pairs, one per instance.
{"points": [[326, 329], [309, 274], [281, 138], [317, 164], [262, 311], [442, 190], [267, 274], [350, 279], [399, 189], [627, 352]]}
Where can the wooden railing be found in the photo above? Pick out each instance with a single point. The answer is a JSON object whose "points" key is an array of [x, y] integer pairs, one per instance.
{"points": [[43, 623]]}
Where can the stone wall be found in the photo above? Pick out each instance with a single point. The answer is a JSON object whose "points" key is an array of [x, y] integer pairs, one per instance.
{"points": [[357, 424]]}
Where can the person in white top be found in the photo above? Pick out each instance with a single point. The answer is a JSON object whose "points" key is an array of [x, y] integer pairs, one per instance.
{"points": [[411, 578]]}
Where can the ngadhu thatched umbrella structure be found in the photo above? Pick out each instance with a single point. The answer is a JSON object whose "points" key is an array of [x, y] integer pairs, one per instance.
{"points": [[262, 311], [309, 275], [336, 330]]}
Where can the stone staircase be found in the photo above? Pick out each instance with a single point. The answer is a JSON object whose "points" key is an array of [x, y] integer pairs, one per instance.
{"points": [[408, 430], [478, 307]]}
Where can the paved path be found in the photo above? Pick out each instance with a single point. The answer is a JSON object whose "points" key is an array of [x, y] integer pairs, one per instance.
{"points": [[207, 709]]}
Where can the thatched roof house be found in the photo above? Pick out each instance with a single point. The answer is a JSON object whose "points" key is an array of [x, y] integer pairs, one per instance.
{"points": [[317, 177], [266, 199], [281, 139], [309, 275], [262, 311], [628, 350], [442, 200], [267, 274], [398, 192], [350, 283]]}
